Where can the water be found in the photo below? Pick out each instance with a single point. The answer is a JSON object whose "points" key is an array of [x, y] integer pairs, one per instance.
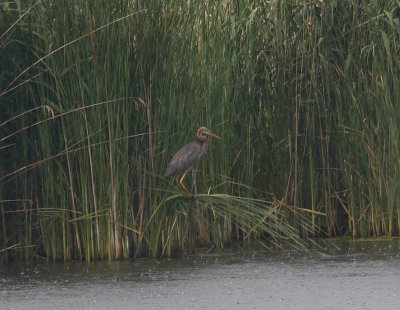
{"points": [[362, 275]]}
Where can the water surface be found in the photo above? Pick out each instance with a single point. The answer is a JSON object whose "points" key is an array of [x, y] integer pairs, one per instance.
{"points": [[353, 275]]}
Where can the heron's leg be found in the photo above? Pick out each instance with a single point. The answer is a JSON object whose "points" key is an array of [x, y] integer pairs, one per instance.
{"points": [[183, 177], [181, 182]]}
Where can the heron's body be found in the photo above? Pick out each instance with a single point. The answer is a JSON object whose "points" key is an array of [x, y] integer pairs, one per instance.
{"points": [[185, 159]]}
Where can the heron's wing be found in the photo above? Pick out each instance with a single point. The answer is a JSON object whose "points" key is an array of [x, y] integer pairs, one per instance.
{"points": [[184, 158]]}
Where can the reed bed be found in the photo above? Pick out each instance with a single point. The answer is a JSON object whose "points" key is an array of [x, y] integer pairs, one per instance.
{"points": [[95, 98]]}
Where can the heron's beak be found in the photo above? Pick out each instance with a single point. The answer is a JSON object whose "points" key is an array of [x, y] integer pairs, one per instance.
{"points": [[215, 136]]}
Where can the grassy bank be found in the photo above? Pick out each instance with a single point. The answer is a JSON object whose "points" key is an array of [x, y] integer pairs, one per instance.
{"points": [[95, 98]]}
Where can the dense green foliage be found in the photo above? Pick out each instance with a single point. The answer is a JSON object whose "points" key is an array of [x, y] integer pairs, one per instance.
{"points": [[96, 96]]}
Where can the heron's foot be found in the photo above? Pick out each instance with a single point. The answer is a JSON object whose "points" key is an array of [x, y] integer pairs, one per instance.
{"points": [[185, 190], [187, 194]]}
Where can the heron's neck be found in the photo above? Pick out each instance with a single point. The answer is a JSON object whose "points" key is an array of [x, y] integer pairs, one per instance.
{"points": [[204, 147], [201, 137]]}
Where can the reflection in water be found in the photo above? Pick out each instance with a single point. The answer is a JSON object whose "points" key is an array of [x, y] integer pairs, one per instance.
{"points": [[353, 275]]}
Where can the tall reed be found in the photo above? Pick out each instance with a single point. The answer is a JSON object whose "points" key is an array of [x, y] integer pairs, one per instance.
{"points": [[96, 98]]}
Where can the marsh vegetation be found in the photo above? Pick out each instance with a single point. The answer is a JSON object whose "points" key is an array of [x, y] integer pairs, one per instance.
{"points": [[96, 97]]}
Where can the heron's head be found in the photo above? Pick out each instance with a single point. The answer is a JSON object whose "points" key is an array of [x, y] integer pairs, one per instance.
{"points": [[204, 130]]}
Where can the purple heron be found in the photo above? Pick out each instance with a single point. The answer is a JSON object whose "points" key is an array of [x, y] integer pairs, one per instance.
{"points": [[185, 159]]}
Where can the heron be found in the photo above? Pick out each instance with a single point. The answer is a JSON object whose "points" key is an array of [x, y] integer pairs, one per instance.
{"points": [[185, 159]]}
